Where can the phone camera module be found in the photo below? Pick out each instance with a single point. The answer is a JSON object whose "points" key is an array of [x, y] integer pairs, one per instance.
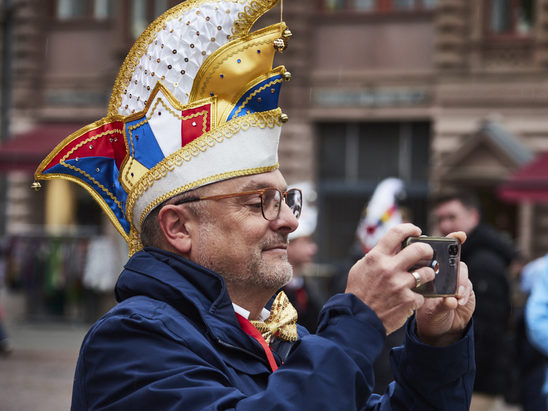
{"points": [[453, 249], [435, 265]]}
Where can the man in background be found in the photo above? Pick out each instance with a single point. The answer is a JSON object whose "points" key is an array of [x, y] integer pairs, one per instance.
{"points": [[488, 255], [302, 291], [5, 344]]}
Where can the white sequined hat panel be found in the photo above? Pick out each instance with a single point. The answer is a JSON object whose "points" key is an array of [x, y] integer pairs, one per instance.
{"points": [[177, 52]]}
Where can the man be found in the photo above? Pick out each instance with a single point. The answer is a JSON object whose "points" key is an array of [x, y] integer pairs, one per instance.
{"points": [[185, 165], [303, 293], [5, 344], [487, 255], [379, 214]]}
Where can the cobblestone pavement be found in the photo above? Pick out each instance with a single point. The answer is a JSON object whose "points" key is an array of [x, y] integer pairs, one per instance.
{"points": [[36, 380], [38, 373]]}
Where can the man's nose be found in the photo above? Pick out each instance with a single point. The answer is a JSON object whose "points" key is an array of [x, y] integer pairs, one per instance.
{"points": [[286, 219], [445, 226]]}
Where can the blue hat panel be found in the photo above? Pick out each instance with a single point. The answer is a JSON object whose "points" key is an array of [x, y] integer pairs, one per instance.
{"points": [[261, 97], [100, 174], [142, 143]]}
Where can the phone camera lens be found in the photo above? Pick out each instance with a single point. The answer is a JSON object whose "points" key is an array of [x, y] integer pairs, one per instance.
{"points": [[453, 249], [435, 266]]}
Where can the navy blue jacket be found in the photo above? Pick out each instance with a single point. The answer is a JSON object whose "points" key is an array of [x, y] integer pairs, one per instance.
{"points": [[173, 342]]}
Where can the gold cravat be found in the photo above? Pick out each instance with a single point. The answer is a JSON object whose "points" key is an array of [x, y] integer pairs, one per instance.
{"points": [[282, 321]]}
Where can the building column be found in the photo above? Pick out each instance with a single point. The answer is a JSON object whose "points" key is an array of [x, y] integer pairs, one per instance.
{"points": [[60, 207]]}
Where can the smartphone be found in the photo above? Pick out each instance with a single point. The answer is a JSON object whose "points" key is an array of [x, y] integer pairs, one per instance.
{"points": [[445, 263]]}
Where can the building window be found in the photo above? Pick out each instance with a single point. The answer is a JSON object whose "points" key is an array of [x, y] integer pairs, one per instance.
{"points": [[372, 151], [103, 9], [367, 5], [143, 12], [352, 159], [378, 5], [77, 9], [69, 9], [511, 17]]}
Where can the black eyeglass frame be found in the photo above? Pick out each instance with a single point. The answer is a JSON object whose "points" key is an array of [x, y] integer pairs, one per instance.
{"points": [[283, 195]]}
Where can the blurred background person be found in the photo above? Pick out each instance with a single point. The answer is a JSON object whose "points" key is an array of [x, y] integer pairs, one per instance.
{"points": [[302, 291], [5, 344], [379, 214], [535, 280], [488, 255], [105, 257]]}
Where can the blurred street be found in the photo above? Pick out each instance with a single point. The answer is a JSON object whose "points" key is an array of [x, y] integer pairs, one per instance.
{"points": [[38, 374]]}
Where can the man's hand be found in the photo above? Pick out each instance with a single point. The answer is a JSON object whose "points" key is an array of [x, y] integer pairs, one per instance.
{"points": [[382, 281], [441, 321]]}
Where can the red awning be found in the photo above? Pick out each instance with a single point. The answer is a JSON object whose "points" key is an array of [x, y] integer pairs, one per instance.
{"points": [[529, 183], [25, 151]]}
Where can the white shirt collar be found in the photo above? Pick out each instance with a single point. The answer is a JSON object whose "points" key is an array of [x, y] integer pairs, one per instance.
{"points": [[244, 313]]}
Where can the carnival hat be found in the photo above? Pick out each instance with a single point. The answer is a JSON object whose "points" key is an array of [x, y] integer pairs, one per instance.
{"points": [[381, 212], [195, 102]]}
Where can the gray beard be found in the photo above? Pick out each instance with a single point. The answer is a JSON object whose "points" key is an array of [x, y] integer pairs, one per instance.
{"points": [[256, 273]]}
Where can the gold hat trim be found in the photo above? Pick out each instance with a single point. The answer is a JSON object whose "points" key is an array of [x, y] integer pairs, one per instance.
{"points": [[250, 15], [204, 181]]}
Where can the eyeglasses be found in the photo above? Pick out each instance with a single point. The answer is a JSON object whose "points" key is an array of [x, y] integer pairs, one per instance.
{"points": [[271, 200]]}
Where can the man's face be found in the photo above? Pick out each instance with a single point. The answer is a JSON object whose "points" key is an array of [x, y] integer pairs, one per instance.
{"points": [[236, 241], [453, 216]]}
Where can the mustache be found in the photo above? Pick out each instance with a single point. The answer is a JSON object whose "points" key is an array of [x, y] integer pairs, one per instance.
{"points": [[275, 241]]}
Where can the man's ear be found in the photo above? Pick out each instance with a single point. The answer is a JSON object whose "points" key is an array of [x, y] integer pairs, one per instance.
{"points": [[175, 223]]}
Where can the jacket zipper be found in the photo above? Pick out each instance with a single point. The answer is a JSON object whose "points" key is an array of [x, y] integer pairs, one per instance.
{"points": [[243, 350]]}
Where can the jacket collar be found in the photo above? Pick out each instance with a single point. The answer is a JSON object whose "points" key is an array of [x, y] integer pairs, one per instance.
{"points": [[192, 289]]}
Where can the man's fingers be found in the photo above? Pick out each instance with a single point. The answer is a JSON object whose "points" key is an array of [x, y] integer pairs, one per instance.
{"points": [[458, 235], [391, 242], [395, 316], [421, 276], [463, 295], [412, 255], [465, 288]]}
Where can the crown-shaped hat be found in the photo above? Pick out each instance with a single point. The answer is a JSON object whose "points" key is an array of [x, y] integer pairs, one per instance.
{"points": [[195, 102]]}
